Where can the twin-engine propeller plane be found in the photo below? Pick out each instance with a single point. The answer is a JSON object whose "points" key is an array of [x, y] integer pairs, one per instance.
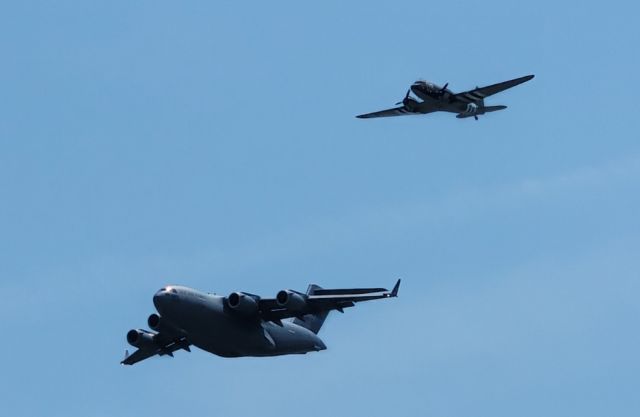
{"points": [[242, 324], [432, 98]]}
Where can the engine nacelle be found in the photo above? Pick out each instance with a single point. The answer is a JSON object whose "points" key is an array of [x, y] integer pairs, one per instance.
{"points": [[242, 303], [139, 338], [154, 322], [291, 300], [160, 325]]}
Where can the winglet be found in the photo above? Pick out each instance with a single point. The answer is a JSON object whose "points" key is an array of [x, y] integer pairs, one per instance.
{"points": [[126, 356], [394, 291]]}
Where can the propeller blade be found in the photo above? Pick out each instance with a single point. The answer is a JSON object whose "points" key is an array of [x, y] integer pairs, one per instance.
{"points": [[406, 96], [443, 90]]}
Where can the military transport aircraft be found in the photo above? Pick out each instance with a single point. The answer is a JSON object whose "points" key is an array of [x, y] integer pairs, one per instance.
{"points": [[432, 98], [242, 324]]}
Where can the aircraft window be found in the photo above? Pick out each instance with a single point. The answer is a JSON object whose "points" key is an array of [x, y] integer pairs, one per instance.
{"points": [[173, 290]]}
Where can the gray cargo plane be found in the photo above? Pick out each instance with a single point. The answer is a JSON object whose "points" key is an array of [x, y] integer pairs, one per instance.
{"points": [[242, 324], [432, 98]]}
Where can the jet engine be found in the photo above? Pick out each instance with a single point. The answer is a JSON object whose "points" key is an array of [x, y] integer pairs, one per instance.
{"points": [[242, 303], [139, 338], [154, 322], [291, 300]]}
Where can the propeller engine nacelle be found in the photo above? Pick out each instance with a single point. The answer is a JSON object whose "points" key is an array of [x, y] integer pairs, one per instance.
{"points": [[139, 338], [291, 300], [242, 303], [444, 93], [408, 102]]}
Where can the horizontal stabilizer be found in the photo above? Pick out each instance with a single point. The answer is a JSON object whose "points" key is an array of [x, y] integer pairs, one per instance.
{"points": [[489, 109], [481, 111]]}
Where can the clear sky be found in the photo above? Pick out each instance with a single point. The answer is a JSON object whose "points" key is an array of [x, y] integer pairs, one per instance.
{"points": [[213, 144]]}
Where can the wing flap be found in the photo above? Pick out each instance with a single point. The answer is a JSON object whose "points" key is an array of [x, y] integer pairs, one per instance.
{"points": [[347, 291]]}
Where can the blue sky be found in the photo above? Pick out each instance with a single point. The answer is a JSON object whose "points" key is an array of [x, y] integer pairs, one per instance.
{"points": [[214, 144]]}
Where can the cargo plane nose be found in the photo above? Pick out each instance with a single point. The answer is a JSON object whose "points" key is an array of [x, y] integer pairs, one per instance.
{"points": [[164, 297]]}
